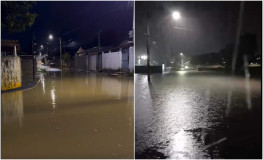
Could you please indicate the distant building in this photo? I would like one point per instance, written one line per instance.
(80, 59)
(112, 58)
(9, 47)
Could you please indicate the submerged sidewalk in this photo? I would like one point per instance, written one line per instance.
(26, 84)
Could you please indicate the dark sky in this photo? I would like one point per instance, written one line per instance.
(210, 26)
(79, 22)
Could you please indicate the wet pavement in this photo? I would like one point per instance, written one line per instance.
(184, 115)
(78, 115)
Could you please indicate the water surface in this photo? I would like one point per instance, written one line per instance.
(78, 115)
(184, 115)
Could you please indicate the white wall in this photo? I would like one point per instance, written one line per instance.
(131, 59)
(111, 60)
(92, 62)
(10, 72)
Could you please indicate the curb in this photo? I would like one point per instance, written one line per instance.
(19, 89)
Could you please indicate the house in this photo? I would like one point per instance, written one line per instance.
(110, 58)
(80, 59)
(9, 47)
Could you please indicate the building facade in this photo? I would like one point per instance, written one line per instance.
(117, 59)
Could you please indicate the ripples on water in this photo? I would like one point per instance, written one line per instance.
(185, 117)
(81, 115)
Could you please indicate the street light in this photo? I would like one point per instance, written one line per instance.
(176, 15)
(41, 46)
(50, 37)
(182, 60)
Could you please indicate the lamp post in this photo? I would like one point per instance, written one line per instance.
(50, 37)
(176, 16)
(147, 48)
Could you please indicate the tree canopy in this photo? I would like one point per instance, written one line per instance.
(16, 16)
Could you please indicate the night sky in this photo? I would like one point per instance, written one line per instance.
(77, 22)
(208, 26)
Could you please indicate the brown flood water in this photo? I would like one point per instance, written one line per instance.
(81, 115)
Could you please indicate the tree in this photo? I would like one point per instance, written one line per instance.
(16, 16)
(66, 59)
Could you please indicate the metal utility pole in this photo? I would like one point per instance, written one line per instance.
(60, 48)
(47, 51)
(148, 48)
(98, 56)
(33, 58)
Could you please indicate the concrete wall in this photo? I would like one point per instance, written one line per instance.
(153, 69)
(11, 72)
(131, 59)
(80, 63)
(111, 60)
(27, 68)
(92, 62)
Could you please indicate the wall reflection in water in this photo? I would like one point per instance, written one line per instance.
(12, 107)
(110, 86)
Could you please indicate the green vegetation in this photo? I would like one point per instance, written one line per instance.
(16, 16)
(66, 59)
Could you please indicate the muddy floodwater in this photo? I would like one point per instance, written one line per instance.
(78, 115)
(185, 115)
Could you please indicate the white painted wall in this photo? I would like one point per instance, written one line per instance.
(131, 59)
(93, 60)
(111, 60)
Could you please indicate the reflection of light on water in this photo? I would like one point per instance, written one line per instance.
(42, 79)
(180, 143)
(181, 72)
(53, 97)
(180, 110)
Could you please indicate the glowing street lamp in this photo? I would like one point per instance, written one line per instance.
(181, 54)
(50, 37)
(176, 15)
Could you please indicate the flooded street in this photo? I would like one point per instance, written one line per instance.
(184, 115)
(78, 115)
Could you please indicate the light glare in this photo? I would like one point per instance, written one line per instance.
(50, 37)
(176, 15)
(144, 57)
